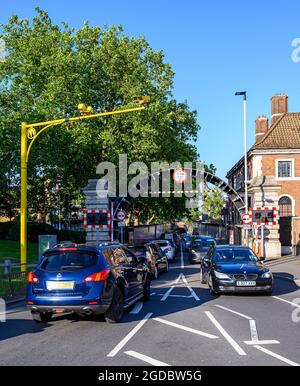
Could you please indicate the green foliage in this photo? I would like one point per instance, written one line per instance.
(11, 231)
(213, 203)
(48, 69)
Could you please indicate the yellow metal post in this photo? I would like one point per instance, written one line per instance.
(23, 217)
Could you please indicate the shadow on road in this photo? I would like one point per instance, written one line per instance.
(16, 327)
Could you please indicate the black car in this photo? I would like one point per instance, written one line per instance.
(157, 259)
(228, 268)
(199, 248)
(86, 279)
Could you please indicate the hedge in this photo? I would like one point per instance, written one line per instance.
(11, 231)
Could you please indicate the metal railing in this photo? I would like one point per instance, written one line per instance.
(12, 281)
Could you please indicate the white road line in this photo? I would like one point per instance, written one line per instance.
(229, 339)
(181, 252)
(260, 342)
(137, 308)
(182, 277)
(145, 358)
(253, 330)
(166, 294)
(120, 345)
(286, 301)
(210, 336)
(234, 312)
(153, 293)
(281, 358)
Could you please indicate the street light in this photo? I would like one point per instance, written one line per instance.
(31, 131)
(244, 94)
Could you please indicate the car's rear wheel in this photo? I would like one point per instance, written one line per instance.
(147, 288)
(116, 309)
(42, 317)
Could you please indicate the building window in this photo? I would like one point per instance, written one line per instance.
(285, 207)
(285, 169)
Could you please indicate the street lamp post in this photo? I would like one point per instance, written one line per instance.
(31, 131)
(244, 94)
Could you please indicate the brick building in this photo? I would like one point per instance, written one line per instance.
(276, 153)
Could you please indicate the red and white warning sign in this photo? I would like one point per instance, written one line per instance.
(246, 218)
(121, 215)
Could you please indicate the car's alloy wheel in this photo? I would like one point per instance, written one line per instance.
(147, 288)
(41, 317)
(115, 312)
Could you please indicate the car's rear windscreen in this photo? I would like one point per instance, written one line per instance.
(68, 261)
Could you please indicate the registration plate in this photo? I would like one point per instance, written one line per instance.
(60, 285)
(246, 283)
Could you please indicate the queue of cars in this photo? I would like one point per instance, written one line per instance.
(110, 277)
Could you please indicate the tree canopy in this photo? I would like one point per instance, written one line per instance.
(47, 70)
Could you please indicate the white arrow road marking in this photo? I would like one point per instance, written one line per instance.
(234, 312)
(182, 277)
(210, 336)
(286, 301)
(254, 336)
(137, 308)
(145, 358)
(120, 345)
(229, 339)
(281, 358)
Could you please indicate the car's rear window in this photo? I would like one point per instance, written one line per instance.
(204, 243)
(69, 261)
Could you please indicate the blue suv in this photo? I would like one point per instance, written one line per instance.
(87, 279)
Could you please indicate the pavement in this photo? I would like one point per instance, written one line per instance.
(182, 324)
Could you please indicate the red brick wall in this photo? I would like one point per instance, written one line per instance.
(291, 187)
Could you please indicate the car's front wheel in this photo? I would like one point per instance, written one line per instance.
(41, 317)
(116, 309)
(212, 290)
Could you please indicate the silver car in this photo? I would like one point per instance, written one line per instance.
(167, 247)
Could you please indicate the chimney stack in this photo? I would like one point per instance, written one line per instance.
(261, 127)
(279, 106)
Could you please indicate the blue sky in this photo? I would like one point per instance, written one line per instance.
(215, 48)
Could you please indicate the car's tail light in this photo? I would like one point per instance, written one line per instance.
(168, 249)
(148, 259)
(32, 278)
(97, 276)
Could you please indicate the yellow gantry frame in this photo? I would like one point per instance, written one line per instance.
(29, 128)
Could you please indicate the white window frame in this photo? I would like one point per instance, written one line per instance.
(292, 160)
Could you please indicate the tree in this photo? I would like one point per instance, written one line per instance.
(213, 203)
(48, 69)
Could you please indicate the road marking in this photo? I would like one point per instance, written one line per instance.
(178, 296)
(260, 342)
(229, 339)
(253, 330)
(286, 301)
(153, 293)
(181, 252)
(234, 312)
(182, 277)
(281, 358)
(145, 358)
(120, 345)
(210, 336)
(137, 308)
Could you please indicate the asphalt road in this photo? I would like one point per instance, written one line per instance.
(182, 324)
